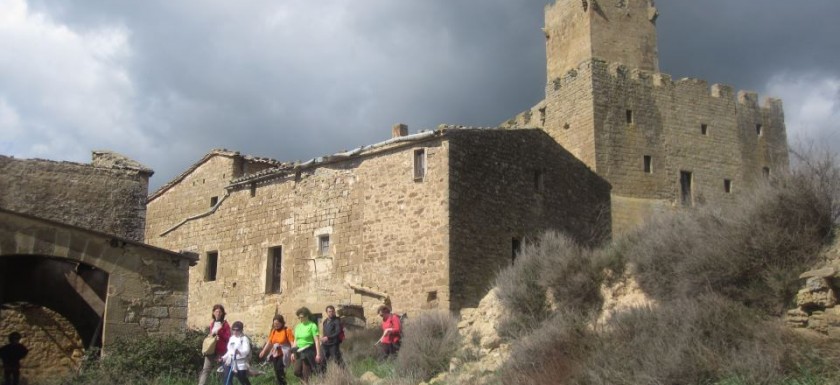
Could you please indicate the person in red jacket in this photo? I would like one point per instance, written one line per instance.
(391, 332)
(220, 329)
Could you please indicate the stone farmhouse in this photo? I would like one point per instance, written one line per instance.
(425, 221)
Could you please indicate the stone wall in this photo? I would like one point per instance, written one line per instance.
(387, 232)
(817, 302)
(107, 195)
(507, 186)
(55, 348)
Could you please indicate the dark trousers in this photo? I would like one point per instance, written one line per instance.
(389, 350)
(305, 364)
(333, 352)
(279, 370)
(11, 376)
(241, 375)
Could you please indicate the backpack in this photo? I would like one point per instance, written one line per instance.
(340, 332)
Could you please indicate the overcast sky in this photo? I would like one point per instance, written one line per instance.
(164, 82)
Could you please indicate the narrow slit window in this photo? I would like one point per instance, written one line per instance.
(275, 268)
(686, 198)
(253, 189)
(758, 129)
(515, 248)
(727, 186)
(539, 181)
(213, 201)
(704, 129)
(765, 171)
(212, 266)
(419, 164)
(648, 164)
(629, 116)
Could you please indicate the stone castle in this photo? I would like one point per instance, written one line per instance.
(424, 221)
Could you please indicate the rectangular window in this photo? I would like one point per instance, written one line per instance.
(685, 188)
(727, 186)
(758, 130)
(629, 116)
(253, 189)
(765, 171)
(704, 129)
(419, 164)
(213, 201)
(324, 245)
(212, 266)
(648, 164)
(275, 268)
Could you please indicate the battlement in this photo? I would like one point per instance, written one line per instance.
(627, 76)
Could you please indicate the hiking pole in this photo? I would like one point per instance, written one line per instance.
(229, 379)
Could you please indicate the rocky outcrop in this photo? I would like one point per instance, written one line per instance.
(817, 303)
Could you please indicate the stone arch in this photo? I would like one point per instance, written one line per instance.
(138, 289)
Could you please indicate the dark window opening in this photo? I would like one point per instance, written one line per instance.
(419, 164)
(629, 116)
(431, 296)
(539, 180)
(685, 188)
(758, 129)
(275, 268)
(648, 164)
(212, 266)
(704, 129)
(727, 186)
(516, 248)
(766, 171)
(323, 245)
(213, 201)
(253, 189)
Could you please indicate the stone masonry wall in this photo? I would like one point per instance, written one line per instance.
(108, 195)
(388, 233)
(514, 184)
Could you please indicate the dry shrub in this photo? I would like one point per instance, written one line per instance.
(555, 264)
(360, 344)
(752, 253)
(430, 341)
(335, 375)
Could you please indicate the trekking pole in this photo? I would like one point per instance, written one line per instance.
(229, 379)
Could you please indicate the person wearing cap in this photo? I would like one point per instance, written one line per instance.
(308, 354)
(238, 353)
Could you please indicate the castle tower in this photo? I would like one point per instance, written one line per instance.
(616, 31)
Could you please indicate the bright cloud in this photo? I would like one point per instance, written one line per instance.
(812, 107)
(62, 91)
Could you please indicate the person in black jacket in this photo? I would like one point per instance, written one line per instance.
(333, 334)
(11, 354)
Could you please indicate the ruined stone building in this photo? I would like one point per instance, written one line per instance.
(74, 272)
(426, 220)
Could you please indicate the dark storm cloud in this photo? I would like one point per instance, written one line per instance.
(297, 79)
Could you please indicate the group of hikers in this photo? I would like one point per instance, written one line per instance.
(302, 346)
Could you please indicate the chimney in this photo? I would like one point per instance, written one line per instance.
(399, 130)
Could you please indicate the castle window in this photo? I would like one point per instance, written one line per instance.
(648, 164)
(704, 129)
(275, 264)
(629, 116)
(253, 189)
(765, 171)
(685, 189)
(324, 245)
(539, 181)
(213, 201)
(419, 164)
(515, 248)
(212, 266)
(727, 186)
(758, 130)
